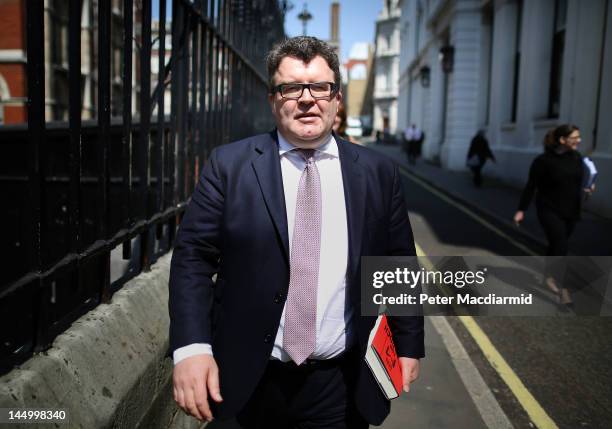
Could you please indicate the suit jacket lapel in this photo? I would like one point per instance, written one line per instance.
(266, 165)
(355, 190)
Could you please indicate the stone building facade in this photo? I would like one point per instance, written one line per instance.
(514, 68)
(386, 67)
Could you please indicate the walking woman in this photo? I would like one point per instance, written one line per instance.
(556, 178)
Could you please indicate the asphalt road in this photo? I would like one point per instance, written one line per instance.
(563, 361)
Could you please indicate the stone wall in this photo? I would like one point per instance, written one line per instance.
(109, 369)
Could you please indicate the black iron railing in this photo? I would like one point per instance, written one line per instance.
(90, 203)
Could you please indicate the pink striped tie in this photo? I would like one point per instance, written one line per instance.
(299, 335)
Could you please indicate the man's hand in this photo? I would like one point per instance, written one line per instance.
(410, 371)
(195, 379)
(519, 216)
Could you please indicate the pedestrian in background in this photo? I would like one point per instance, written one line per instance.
(413, 138)
(340, 125)
(420, 138)
(386, 136)
(405, 142)
(556, 176)
(477, 156)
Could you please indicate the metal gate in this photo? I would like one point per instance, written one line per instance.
(93, 197)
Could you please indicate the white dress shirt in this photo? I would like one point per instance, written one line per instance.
(332, 313)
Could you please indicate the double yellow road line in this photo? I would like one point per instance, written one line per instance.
(532, 407)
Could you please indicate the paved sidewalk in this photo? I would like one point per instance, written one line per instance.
(499, 201)
(439, 398)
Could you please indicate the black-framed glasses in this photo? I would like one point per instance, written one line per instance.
(318, 90)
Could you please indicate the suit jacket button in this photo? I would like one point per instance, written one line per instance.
(268, 338)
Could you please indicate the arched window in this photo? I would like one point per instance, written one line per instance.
(5, 95)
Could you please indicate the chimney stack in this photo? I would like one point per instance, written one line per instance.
(335, 23)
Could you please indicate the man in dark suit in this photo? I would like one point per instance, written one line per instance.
(282, 220)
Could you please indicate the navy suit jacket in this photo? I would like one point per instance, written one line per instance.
(235, 226)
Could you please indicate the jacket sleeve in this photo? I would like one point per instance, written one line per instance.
(195, 261)
(530, 187)
(408, 331)
(472, 149)
(400, 238)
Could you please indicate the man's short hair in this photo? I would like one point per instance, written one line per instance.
(304, 48)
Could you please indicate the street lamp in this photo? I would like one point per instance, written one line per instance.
(305, 16)
(447, 58)
(425, 75)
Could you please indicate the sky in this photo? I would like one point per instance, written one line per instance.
(357, 20)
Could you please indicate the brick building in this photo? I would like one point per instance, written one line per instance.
(358, 70)
(12, 62)
(13, 59)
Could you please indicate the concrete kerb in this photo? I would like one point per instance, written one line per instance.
(110, 367)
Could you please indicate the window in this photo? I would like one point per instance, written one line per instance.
(418, 30)
(599, 114)
(57, 32)
(556, 65)
(488, 18)
(3, 96)
(517, 59)
(387, 77)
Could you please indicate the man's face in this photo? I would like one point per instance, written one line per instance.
(306, 121)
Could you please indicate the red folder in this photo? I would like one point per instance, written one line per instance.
(382, 359)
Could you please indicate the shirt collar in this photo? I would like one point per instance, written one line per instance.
(330, 147)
